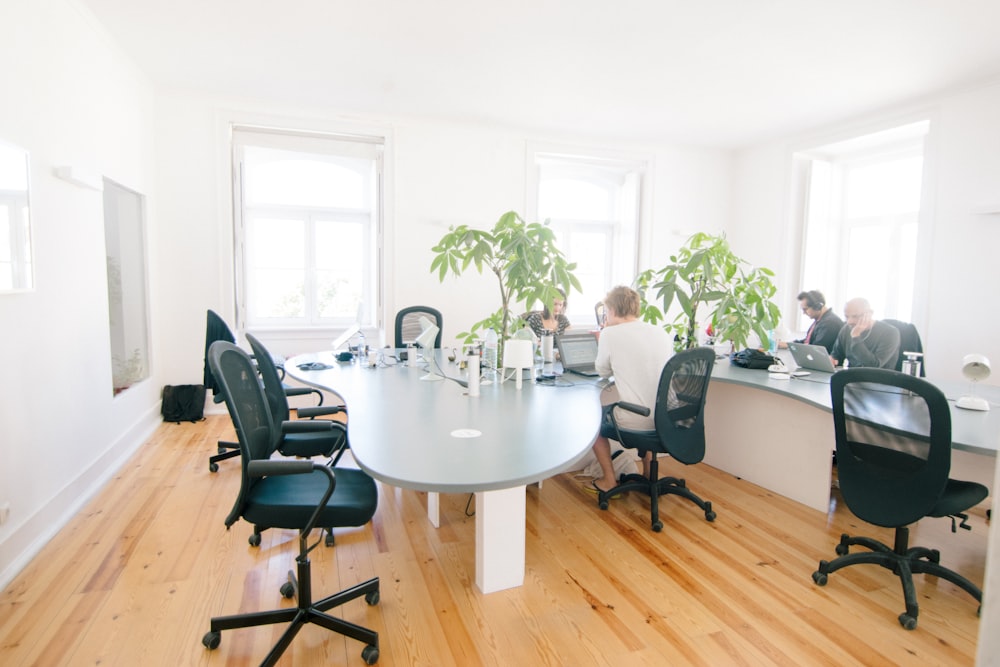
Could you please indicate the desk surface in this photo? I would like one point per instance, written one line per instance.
(412, 433)
(977, 432)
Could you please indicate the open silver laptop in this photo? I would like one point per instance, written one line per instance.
(578, 352)
(812, 357)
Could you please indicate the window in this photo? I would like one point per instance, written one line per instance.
(308, 219)
(862, 220)
(593, 204)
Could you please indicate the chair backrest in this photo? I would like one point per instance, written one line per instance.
(909, 341)
(680, 404)
(216, 329)
(277, 400)
(408, 324)
(893, 434)
(244, 396)
(599, 314)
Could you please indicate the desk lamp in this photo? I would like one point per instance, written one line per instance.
(975, 367)
(425, 341)
(519, 355)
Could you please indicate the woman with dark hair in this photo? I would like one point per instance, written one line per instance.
(551, 320)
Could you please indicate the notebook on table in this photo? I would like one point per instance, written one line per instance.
(578, 352)
(813, 357)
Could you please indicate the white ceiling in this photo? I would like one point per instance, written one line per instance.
(723, 73)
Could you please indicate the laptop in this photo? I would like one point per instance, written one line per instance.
(813, 357)
(578, 352)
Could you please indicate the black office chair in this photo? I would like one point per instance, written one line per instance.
(305, 437)
(909, 341)
(679, 431)
(289, 494)
(893, 434)
(408, 324)
(217, 329)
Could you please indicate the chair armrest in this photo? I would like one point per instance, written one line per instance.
(319, 411)
(264, 468)
(632, 407)
(308, 426)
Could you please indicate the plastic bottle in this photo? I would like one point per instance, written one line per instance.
(772, 342)
(490, 355)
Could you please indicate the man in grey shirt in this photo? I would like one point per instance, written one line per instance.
(863, 341)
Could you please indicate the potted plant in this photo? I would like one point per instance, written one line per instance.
(522, 256)
(710, 283)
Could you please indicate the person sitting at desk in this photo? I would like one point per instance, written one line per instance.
(634, 352)
(549, 320)
(825, 326)
(864, 341)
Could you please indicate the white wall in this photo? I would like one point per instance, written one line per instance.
(956, 315)
(69, 99)
(439, 175)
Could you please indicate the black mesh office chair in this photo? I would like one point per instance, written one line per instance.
(909, 341)
(679, 431)
(893, 434)
(217, 329)
(305, 437)
(289, 494)
(408, 324)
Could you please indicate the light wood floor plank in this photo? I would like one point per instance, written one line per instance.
(136, 576)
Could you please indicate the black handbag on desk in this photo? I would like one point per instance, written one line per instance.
(751, 358)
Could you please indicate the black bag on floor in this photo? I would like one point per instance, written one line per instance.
(183, 403)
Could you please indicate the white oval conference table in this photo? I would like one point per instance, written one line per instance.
(430, 435)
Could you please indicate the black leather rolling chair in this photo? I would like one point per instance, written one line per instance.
(680, 431)
(289, 494)
(893, 435)
(305, 437)
(217, 329)
(408, 324)
(909, 341)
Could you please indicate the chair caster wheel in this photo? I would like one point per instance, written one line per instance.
(372, 598)
(328, 541)
(254, 540)
(657, 526)
(603, 504)
(370, 654)
(907, 621)
(710, 515)
(819, 578)
(287, 590)
(842, 549)
(211, 640)
(213, 467)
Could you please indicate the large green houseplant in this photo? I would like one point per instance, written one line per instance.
(711, 285)
(523, 257)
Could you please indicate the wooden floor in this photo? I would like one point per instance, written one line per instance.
(135, 578)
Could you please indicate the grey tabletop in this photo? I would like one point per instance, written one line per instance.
(432, 436)
(977, 432)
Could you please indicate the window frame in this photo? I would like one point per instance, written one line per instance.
(306, 141)
(599, 167)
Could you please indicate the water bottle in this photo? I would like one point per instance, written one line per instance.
(490, 355)
(362, 346)
(772, 343)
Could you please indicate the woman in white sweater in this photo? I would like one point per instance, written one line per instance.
(633, 352)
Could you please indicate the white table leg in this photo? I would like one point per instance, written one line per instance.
(434, 508)
(500, 529)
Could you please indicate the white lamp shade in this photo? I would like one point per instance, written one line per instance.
(518, 354)
(975, 367)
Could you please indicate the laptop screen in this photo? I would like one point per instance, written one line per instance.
(578, 351)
